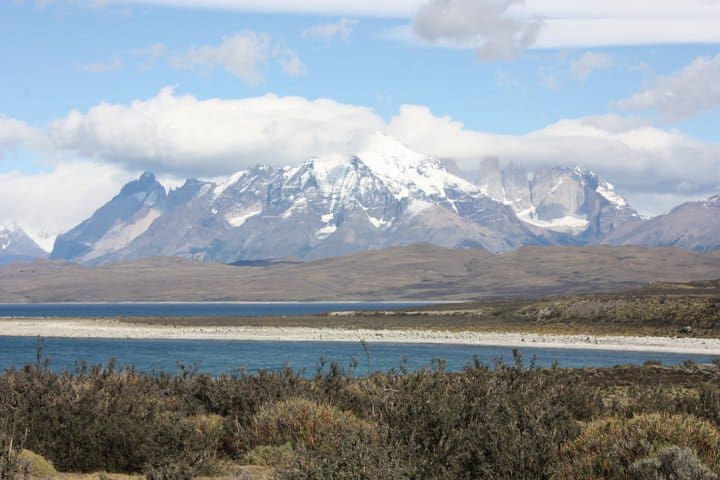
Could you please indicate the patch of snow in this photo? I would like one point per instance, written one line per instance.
(417, 206)
(234, 178)
(6, 241)
(573, 224)
(403, 169)
(325, 232)
(378, 223)
(713, 201)
(297, 205)
(214, 211)
(237, 218)
(122, 234)
(559, 184)
(607, 190)
(327, 218)
(205, 189)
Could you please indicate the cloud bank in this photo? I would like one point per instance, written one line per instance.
(693, 90)
(180, 136)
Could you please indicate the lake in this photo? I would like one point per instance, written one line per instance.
(219, 356)
(203, 309)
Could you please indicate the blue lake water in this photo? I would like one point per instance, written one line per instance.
(215, 356)
(208, 309)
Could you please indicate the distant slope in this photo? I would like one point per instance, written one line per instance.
(693, 226)
(415, 272)
(16, 246)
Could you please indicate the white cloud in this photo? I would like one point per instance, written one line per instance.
(637, 157)
(100, 67)
(394, 8)
(693, 90)
(188, 136)
(150, 53)
(182, 136)
(496, 31)
(242, 55)
(46, 204)
(290, 62)
(584, 23)
(14, 134)
(327, 32)
(156, 50)
(548, 80)
(590, 62)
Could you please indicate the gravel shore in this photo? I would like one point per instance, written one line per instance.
(117, 329)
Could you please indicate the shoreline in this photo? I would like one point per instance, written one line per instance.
(115, 329)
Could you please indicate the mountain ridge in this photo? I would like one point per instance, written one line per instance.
(384, 195)
(16, 245)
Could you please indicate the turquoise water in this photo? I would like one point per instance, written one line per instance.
(217, 356)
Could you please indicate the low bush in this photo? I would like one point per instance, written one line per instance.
(608, 448)
(493, 422)
(306, 423)
(671, 463)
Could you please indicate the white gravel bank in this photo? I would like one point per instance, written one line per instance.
(116, 329)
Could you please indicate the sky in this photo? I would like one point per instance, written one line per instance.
(94, 92)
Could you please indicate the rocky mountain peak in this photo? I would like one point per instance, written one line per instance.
(16, 245)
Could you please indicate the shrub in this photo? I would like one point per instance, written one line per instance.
(270, 456)
(38, 466)
(671, 463)
(306, 423)
(608, 448)
(12, 465)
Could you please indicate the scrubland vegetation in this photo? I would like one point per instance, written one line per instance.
(657, 309)
(495, 422)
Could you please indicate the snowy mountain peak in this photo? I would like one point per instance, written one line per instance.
(5, 239)
(712, 202)
(16, 245)
(8, 228)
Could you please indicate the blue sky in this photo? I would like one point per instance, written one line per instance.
(630, 91)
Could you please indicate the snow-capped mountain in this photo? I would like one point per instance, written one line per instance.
(692, 226)
(573, 201)
(16, 245)
(382, 196)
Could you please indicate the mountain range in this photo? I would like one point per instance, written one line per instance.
(385, 195)
(16, 245)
